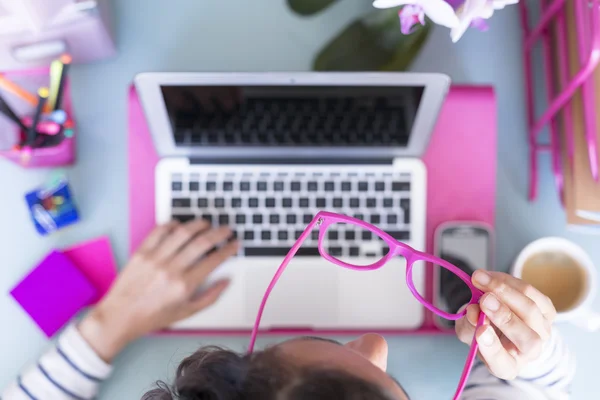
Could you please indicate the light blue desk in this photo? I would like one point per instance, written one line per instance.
(217, 35)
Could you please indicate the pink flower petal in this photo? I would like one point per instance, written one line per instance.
(409, 16)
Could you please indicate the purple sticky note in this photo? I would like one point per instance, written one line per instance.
(96, 261)
(54, 292)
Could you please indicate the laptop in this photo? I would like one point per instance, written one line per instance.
(263, 152)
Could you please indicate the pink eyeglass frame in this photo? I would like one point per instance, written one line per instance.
(323, 220)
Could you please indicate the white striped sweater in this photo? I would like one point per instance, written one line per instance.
(71, 370)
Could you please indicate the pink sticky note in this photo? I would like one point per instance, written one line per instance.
(96, 261)
(54, 292)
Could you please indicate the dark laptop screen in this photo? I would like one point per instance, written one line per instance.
(292, 115)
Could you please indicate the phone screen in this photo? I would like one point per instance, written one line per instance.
(468, 248)
(470, 245)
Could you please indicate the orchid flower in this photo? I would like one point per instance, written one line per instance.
(414, 11)
(472, 11)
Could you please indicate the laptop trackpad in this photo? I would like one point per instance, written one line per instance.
(305, 296)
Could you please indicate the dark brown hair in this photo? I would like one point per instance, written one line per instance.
(213, 373)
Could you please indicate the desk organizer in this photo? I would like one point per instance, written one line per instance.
(552, 19)
(62, 150)
(475, 176)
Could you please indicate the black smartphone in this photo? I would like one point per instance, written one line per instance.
(467, 245)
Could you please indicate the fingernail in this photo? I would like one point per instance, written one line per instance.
(482, 277)
(486, 338)
(491, 303)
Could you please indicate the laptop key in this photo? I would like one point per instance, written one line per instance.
(176, 186)
(346, 186)
(282, 235)
(240, 219)
(286, 202)
(211, 186)
(332, 235)
(329, 186)
(313, 186)
(280, 251)
(194, 186)
(295, 186)
(335, 251)
(400, 186)
(338, 202)
(405, 205)
(307, 218)
(265, 235)
(371, 202)
(375, 218)
(314, 235)
(261, 186)
(181, 203)
(253, 202)
(184, 217)
(363, 186)
(207, 217)
(244, 186)
(379, 186)
(274, 219)
(321, 203)
(297, 234)
(227, 186)
(248, 235)
(359, 216)
(392, 219)
(270, 202)
(366, 235)
(257, 219)
(354, 202)
(219, 202)
(290, 219)
(388, 203)
(350, 235)
(223, 219)
(202, 202)
(278, 186)
(399, 235)
(236, 202)
(354, 251)
(303, 202)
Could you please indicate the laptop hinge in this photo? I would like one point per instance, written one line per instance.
(292, 161)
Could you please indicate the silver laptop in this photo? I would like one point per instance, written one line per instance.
(263, 152)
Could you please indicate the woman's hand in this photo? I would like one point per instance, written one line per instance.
(159, 285)
(521, 322)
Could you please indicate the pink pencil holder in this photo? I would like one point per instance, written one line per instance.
(61, 152)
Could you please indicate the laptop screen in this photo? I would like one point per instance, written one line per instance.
(311, 116)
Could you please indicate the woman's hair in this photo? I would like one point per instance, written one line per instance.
(213, 373)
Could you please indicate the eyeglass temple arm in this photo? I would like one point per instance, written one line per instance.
(470, 359)
(276, 277)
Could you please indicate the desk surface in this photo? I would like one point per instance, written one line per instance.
(154, 37)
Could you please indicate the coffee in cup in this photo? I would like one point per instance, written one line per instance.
(566, 274)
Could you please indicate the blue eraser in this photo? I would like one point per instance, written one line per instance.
(52, 207)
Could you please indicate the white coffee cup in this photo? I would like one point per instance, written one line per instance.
(580, 312)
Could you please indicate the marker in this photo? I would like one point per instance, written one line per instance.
(17, 90)
(6, 110)
(32, 132)
(66, 61)
(55, 73)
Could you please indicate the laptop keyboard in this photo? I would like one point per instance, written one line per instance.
(300, 121)
(269, 210)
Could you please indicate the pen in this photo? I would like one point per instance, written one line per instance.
(17, 90)
(66, 61)
(6, 110)
(55, 74)
(32, 132)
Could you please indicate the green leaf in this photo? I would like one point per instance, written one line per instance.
(309, 7)
(373, 43)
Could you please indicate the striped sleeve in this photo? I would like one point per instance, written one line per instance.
(70, 370)
(547, 378)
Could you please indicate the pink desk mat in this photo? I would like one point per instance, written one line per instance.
(461, 174)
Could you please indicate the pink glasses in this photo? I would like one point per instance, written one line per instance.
(395, 248)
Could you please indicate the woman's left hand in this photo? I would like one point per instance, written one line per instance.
(521, 320)
(158, 287)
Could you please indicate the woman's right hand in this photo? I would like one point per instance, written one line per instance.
(518, 322)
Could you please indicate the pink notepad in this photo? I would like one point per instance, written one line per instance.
(54, 292)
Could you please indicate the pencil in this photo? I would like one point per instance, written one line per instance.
(55, 74)
(17, 90)
(32, 132)
(66, 61)
(6, 110)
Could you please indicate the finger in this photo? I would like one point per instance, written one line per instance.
(179, 237)
(199, 246)
(500, 282)
(157, 236)
(198, 273)
(526, 340)
(208, 298)
(465, 327)
(493, 354)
